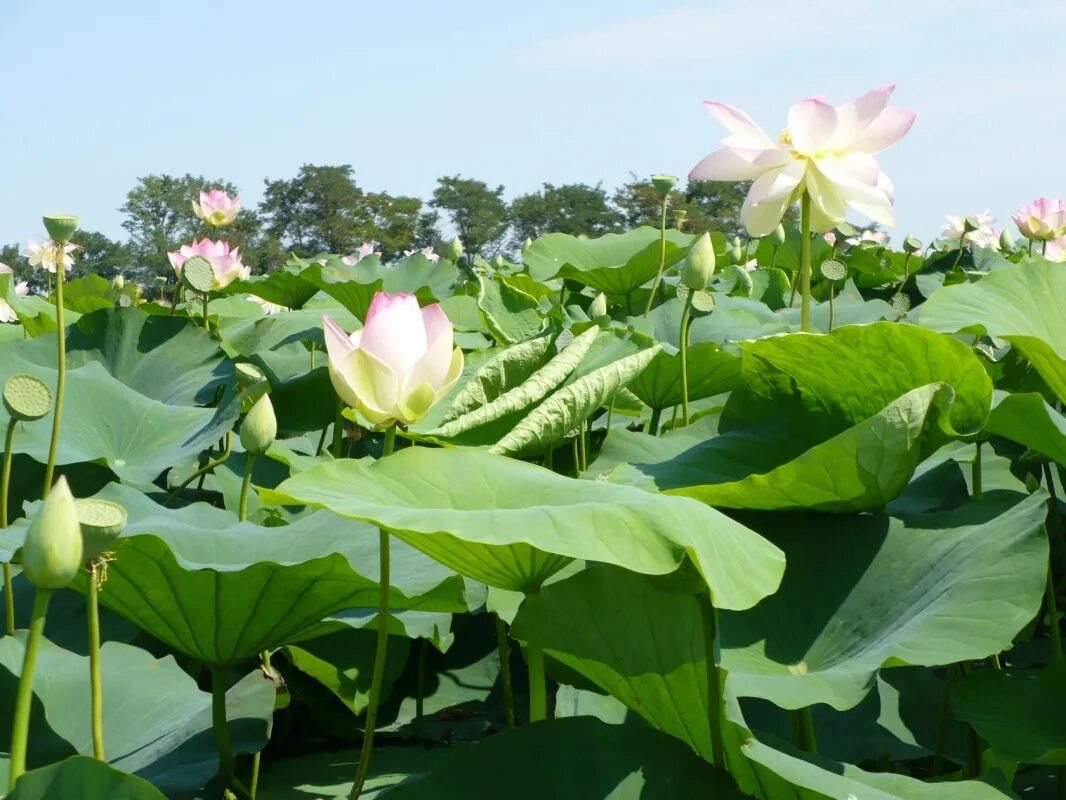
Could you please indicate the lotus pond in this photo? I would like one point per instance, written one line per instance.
(651, 515)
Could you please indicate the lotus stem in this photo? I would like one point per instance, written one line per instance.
(549, 457)
(210, 465)
(962, 247)
(805, 262)
(803, 730)
(1043, 247)
(653, 425)
(942, 722)
(95, 682)
(1054, 517)
(5, 485)
(686, 319)
(338, 429)
(506, 683)
(249, 466)
(20, 726)
(831, 309)
(61, 380)
(420, 690)
(977, 491)
(662, 256)
(207, 297)
(538, 684)
(222, 741)
(715, 683)
(378, 674)
(1053, 617)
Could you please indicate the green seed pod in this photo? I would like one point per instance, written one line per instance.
(454, 251)
(101, 523)
(778, 236)
(970, 224)
(912, 244)
(1006, 240)
(598, 307)
(26, 397)
(663, 183)
(198, 274)
(52, 554)
(60, 227)
(260, 427)
(699, 264)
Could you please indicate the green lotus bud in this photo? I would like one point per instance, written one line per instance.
(598, 307)
(52, 554)
(911, 244)
(778, 236)
(699, 264)
(118, 283)
(970, 224)
(663, 183)
(499, 261)
(260, 427)
(454, 251)
(527, 243)
(60, 227)
(737, 252)
(1006, 240)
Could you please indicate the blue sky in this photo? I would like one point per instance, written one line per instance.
(96, 94)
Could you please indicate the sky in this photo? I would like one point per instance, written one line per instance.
(95, 95)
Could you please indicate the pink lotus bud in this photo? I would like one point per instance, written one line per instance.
(399, 365)
(217, 208)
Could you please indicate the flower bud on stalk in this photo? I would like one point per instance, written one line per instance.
(777, 237)
(598, 307)
(52, 554)
(699, 264)
(1006, 240)
(454, 250)
(260, 427)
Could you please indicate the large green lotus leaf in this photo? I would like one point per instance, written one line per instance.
(223, 591)
(549, 254)
(849, 308)
(862, 592)
(249, 336)
(1020, 713)
(579, 758)
(711, 371)
(88, 293)
(511, 314)
(446, 499)
(85, 778)
(329, 774)
(503, 371)
(622, 279)
(734, 319)
(303, 397)
(170, 359)
(105, 420)
(157, 728)
(284, 287)
(1021, 304)
(1028, 420)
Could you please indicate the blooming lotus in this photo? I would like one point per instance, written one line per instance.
(268, 307)
(984, 235)
(399, 365)
(48, 255)
(365, 249)
(217, 208)
(1055, 250)
(826, 152)
(7, 313)
(1042, 220)
(874, 237)
(426, 251)
(225, 263)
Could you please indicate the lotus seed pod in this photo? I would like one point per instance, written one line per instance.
(198, 274)
(101, 523)
(260, 427)
(52, 554)
(26, 397)
(778, 236)
(598, 307)
(1006, 240)
(833, 270)
(699, 264)
(60, 227)
(454, 251)
(911, 244)
(663, 183)
(970, 224)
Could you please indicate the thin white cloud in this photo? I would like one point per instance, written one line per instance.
(728, 29)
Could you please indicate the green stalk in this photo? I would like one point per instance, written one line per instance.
(538, 684)
(61, 381)
(221, 731)
(958, 256)
(20, 726)
(420, 691)
(1054, 517)
(1053, 614)
(505, 672)
(207, 296)
(5, 484)
(1043, 247)
(831, 309)
(805, 262)
(95, 682)
(715, 683)
(942, 723)
(803, 730)
(977, 491)
(653, 426)
(338, 429)
(210, 465)
(662, 258)
(249, 465)
(686, 318)
(378, 674)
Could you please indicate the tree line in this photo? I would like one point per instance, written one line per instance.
(324, 209)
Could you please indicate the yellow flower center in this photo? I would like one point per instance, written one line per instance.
(785, 137)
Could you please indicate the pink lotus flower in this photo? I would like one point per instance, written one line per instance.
(48, 254)
(399, 365)
(825, 151)
(1042, 220)
(985, 235)
(226, 263)
(1055, 250)
(874, 237)
(830, 238)
(426, 251)
(217, 208)
(7, 313)
(365, 249)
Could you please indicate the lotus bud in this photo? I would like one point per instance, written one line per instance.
(663, 183)
(454, 251)
(260, 427)
(912, 244)
(52, 554)
(737, 253)
(527, 243)
(699, 264)
(118, 283)
(777, 237)
(60, 227)
(1006, 240)
(598, 307)
(499, 262)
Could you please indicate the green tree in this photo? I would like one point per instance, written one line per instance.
(478, 213)
(701, 206)
(99, 255)
(573, 208)
(401, 223)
